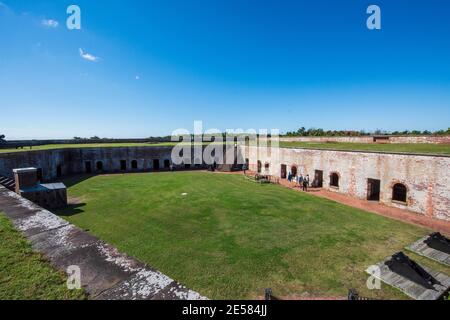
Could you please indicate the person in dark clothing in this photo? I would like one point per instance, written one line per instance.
(306, 183)
(300, 180)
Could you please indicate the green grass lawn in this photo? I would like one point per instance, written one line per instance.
(87, 145)
(426, 148)
(392, 147)
(25, 275)
(231, 238)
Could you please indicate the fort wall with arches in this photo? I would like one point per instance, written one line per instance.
(419, 183)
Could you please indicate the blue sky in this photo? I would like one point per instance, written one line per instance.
(160, 65)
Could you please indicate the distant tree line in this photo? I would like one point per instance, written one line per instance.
(91, 138)
(318, 132)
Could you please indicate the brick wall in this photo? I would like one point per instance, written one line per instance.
(370, 139)
(427, 178)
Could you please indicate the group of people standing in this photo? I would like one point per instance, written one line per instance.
(302, 182)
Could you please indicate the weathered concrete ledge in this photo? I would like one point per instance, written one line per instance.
(106, 274)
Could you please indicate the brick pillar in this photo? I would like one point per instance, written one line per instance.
(25, 178)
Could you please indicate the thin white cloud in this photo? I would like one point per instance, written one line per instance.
(4, 7)
(88, 56)
(50, 23)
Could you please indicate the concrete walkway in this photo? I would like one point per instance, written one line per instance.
(106, 274)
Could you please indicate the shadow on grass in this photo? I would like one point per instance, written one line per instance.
(71, 210)
(70, 181)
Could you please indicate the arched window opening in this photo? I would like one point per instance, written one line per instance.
(259, 166)
(294, 171)
(399, 192)
(334, 180)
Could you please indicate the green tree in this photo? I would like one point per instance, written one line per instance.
(301, 131)
(2, 138)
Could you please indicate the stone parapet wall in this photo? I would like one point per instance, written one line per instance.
(372, 139)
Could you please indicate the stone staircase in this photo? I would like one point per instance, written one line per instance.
(7, 183)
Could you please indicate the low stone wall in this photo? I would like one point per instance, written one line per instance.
(328, 139)
(427, 178)
(372, 139)
(421, 139)
(46, 160)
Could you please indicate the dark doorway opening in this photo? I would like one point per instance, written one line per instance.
(373, 189)
(334, 180)
(399, 192)
(59, 171)
(99, 166)
(123, 165)
(259, 166)
(187, 166)
(318, 179)
(156, 164)
(167, 164)
(40, 175)
(247, 164)
(134, 165)
(294, 171)
(283, 171)
(381, 139)
(87, 166)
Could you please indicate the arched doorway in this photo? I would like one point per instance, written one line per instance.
(399, 192)
(294, 171)
(334, 179)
